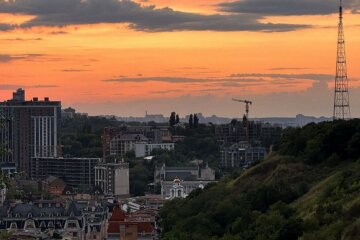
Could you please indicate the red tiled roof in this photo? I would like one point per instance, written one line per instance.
(117, 214)
(114, 227)
(145, 227)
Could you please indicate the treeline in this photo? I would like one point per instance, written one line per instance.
(328, 141)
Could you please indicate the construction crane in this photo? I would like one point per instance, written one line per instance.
(246, 121)
(247, 108)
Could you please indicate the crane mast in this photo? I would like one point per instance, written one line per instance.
(247, 110)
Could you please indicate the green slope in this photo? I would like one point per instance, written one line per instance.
(308, 189)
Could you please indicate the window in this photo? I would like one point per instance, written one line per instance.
(13, 225)
(29, 225)
(50, 225)
(72, 225)
(42, 225)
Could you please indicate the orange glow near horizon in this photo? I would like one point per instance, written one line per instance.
(71, 63)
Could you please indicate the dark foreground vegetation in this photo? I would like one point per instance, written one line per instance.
(308, 189)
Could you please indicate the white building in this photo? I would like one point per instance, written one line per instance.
(180, 189)
(145, 149)
(113, 178)
(177, 190)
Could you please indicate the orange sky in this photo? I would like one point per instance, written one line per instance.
(71, 63)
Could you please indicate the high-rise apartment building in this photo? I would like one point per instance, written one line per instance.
(29, 129)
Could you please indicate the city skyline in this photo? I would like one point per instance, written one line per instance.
(182, 56)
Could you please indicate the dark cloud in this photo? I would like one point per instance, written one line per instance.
(183, 80)
(143, 18)
(287, 7)
(290, 68)
(155, 79)
(12, 87)
(41, 86)
(58, 32)
(75, 70)
(6, 27)
(238, 78)
(234, 81)
(167, 91)
(309, 76)
(21, 39)
(210, 90)
(13, 57)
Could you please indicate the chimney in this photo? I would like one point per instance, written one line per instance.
(46, 99)
(35, 99)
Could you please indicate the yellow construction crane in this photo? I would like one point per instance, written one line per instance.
(247, 109)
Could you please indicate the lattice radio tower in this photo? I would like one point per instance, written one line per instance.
(341, 99)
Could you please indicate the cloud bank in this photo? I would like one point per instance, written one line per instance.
(287, 7)
(58, 13)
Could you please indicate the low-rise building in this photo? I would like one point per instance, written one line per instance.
(113, 178)
(68, 113)
(130, 227)
(55, 220)
(53, 185)
(192, 173)
(145, 149)
(179, 188)
(8, 169)
(121, 144)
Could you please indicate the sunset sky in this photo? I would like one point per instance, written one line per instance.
(126, 57)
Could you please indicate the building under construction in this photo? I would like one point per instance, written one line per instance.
(76, 172)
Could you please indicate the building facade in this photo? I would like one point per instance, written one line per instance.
(241, 155)
(192, 173)
(30, 129)
(145, 149)
(113, 178)
(238, 131)
(121, 144)
(55, 220)
(178, 188)
(117, 141)
(76, 172)
(131, 227)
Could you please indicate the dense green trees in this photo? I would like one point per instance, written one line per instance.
(312, 193)
(81, 136)
(319, 142)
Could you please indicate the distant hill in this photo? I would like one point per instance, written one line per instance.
(308, 189)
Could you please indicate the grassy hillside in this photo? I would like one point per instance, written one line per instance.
(308, 189)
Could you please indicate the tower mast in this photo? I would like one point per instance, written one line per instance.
(341, 98)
